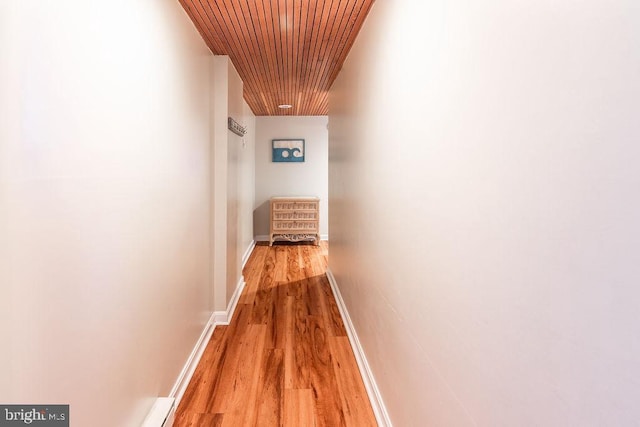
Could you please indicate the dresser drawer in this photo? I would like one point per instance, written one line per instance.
(295, 206)
(295, 226)
(295, 215)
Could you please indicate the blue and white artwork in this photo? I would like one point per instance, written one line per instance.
(288, 150)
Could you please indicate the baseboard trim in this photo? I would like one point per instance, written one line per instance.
(247, 253)
(379, 410)
(162, 413)
(220, 318)
(233, 302)
(216, 318)
(189, 368)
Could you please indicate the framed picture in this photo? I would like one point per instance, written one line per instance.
(287, 150)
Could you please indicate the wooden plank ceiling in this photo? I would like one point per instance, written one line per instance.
(286, 51)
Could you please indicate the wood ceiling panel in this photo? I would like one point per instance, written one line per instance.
(286, 51)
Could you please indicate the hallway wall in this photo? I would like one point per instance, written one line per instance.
(232, 181)
(247, 177)
(104, 207)
(291, 179)
(483, 182)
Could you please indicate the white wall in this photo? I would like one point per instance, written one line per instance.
(232, 183)
(291, 179)
(234, 147)
(104, 181)
(219, 162)
(484, 209)
(247, 177)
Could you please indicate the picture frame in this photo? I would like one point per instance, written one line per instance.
(287, 150)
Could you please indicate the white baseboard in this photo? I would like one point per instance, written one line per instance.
(379, 410)
(247, 253)
(224, 317)
(162, 413)
(189, 368)
(220, 318)
(233, 302)
(217, 318)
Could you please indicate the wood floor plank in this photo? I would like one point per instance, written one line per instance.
(299, 408)
(356, 406)
(220, 356)
(240, 380)
(268, 272)
(322, 376)
(289, 357)
(318, 261)
(313, 296)
(307, 264)
(328, 306)
(277, 321)
(285, 359)
(262, 307)
(224, 395)
(263, 296)
(295, 271)
(194, 419)
(252, 272)
(299, 347)
(280, 273)
(270, 408)
(204, 381)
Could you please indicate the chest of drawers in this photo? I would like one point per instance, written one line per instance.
(294, 219)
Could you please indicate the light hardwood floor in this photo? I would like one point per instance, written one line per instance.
(285, 359)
